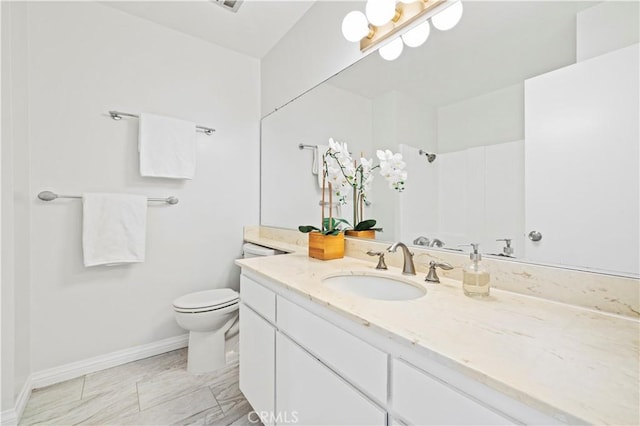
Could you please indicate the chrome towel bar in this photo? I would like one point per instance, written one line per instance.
(117, 115)
(50, 196)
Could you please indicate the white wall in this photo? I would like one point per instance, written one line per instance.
(385, 136)
(417, 122)
(399, 124)
(7, 320)
(607, 26)
(312, 51)
(474, 190)
(16, 336)
(418, 212)
(472, 195)
(84, 59)
(493, 117)
(324, 112)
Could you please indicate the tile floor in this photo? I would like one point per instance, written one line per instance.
(152, 391)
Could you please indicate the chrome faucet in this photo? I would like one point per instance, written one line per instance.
(408, 268)
(436, 243)
(421, 241)
(424, 241)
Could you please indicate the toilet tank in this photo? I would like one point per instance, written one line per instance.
(253, 250)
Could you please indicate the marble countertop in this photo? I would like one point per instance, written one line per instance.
(558, 358)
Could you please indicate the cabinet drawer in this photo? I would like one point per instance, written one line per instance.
(355, 360)
(312, 394)
(259, 298)
(420, 398)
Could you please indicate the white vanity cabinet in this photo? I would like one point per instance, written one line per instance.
(285, 383)
(257, 346)
(422, 399)
(308, 391)
(352, 358)
(303, 362)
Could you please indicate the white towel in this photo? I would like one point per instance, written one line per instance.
(318, 162)
(167, 147)
(113, 228)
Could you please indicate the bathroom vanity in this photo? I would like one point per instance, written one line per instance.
(316, 355)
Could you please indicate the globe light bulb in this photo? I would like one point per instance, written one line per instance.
(355, 26)
(448, 18)
(392, 50)
(417, 36)
(379, 12)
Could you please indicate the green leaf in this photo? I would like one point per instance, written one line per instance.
(331, 232)
(365, 225)
(334, 223)
(307, 228)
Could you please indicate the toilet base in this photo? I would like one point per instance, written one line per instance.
(206, 352)
(232, 349)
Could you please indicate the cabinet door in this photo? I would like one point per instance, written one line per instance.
(309, 393)
(422, 399)
(358, 362)
(257, 361)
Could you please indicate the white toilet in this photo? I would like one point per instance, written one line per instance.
(211, 317)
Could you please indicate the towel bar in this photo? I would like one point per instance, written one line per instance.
(117, 115)
(50, 196)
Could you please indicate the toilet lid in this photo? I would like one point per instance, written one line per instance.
(206, 299)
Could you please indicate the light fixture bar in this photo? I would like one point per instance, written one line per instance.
(409, 13)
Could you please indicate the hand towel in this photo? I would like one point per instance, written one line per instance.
(167, 147)
(113, 228)
(318, 162)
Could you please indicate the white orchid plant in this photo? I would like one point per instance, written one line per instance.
(345, 176)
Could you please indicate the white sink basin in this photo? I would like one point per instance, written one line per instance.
(375, 287)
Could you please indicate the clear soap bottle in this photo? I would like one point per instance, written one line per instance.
(475, 278)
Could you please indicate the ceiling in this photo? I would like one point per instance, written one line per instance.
(253, 30)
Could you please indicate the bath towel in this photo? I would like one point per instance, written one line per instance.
(167, 147)
(113, 228)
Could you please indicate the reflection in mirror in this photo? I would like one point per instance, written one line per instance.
(519, 128)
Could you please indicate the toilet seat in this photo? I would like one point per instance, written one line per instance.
(205, 301)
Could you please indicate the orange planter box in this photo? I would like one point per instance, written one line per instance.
(326, 247)
(369, 234)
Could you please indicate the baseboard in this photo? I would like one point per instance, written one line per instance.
(8, 417)
(23, 397)
(80, 368)
(76, 369)
(12, 417)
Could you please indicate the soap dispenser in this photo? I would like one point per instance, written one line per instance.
(475, 279)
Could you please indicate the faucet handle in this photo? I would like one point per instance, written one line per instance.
(422, 241)
(381, 263)
(432, 276)
(442, 265)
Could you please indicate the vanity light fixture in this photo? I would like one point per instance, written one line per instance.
(391, 25)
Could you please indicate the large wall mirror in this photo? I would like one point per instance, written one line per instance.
(533, 120)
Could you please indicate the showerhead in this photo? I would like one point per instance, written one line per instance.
(430, 157)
